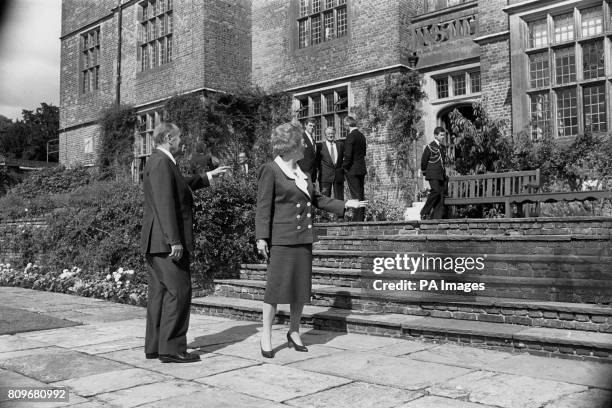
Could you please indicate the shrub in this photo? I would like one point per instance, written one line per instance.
(224, 229)
(53, 180)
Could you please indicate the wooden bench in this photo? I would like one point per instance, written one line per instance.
(515, 187)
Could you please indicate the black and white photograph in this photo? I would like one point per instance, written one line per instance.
(306, 203)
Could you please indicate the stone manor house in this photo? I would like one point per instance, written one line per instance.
(543, 65)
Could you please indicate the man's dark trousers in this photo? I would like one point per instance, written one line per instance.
(326, 190)
(168, 304)
(435, 199)
(356, 188)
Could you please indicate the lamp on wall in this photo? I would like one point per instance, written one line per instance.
(413, 60)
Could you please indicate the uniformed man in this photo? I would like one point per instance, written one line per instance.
(432, 167)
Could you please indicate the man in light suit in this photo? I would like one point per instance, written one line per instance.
(354, 164)
(308, 163)
(329, 166)
(167, 241)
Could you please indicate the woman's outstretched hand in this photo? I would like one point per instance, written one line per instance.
(262, 248)
(355, 204)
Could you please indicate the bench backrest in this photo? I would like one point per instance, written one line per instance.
(494, 184)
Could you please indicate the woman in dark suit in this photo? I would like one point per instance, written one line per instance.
(283, 229)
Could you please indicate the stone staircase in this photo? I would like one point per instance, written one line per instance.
(547, 284)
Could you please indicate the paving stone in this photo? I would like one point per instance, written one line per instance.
(404, 348)
(439, 402)
(110, 381)
(354, 341)
(592, 398)
(14, 343)
(460, 356)
(121, 344)
(136, 357)
(572, 337)
(592, 374)
(381, 369)
(57, 366)
(75, 336)
(273, 382)
(355, 395)
(212, 365)
(501, 389)
(148, 393)
(211, 397)
(250, 348)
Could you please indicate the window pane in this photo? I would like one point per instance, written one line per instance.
(303, 112)
(317, 128)
(329, 25)
(475, 81)
(316, 105)
(459, 84)
(145, 12)
(303, 33)
(329, 4)
(540, 115)
(303, 8)
(442, 87)
(329, 102)
(169, 17)
(316, 29)
(539, 69)
(316, 6)
(565, 65)
(564, 27)
(567, 112)
(593, 59)
(169, 48)
(538, 33)
(594, 100)
(342, 21)
(592, 21)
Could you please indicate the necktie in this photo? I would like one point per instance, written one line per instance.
(333, 152)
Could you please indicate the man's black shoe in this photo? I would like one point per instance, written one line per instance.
(184, 357)
(151, 356)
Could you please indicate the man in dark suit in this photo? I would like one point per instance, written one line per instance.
(308, 163)
(329, 166)
(432, 166)
(354, 164)
(167, 241)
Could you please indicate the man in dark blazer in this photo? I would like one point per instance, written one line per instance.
(354, 164)
(167, 241)
(308, 163)
(329, 165)
(432, 166)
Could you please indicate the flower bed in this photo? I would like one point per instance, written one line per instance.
(117, 287)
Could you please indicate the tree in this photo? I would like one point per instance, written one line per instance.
(27, 138)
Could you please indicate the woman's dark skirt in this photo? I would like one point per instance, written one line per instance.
(288, 278)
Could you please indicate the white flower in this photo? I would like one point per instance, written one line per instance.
(130, 272)
(120, 270)
(109, 277)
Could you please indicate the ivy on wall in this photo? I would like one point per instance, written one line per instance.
(396, 106)
(116, 148)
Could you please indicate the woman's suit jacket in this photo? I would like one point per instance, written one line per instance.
(284, 212)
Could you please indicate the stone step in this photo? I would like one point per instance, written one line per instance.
(575, 316)
(475, 245)
(489, 226)
(357, 278)
(541, 341)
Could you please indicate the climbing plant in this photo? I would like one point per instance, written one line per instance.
(398, 108)
(115, 151)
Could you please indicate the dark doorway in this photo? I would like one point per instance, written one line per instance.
(444, 120)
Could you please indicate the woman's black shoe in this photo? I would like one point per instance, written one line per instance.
(294, 345)
(266, 354)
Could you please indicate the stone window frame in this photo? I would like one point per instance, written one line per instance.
(595, 119)
(450, 78)
(143, 139)
(155, 33)
(327, 106)
(435, 5)
(89, 78)
(583, 36)
(321, 21)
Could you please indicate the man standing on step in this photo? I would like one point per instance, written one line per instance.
(308, 162)
(432, 167)
(167, 241)
(354, 164)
